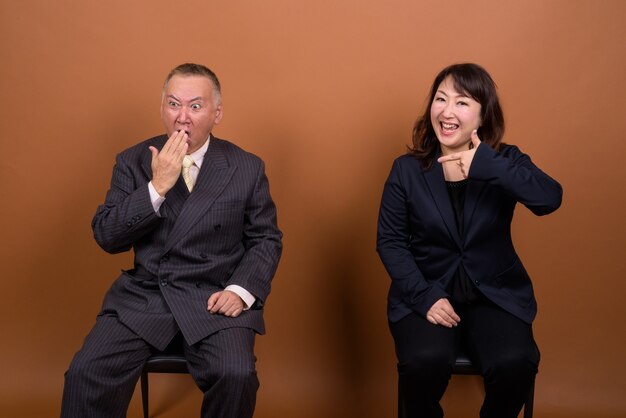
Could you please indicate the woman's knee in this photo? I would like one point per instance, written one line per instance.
(512, 366)
(426, 363)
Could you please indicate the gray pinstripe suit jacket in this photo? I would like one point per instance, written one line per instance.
(223, 233)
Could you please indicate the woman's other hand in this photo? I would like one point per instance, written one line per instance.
(442, 313)
(463, 159)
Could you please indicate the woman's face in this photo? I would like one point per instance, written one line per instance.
(454, 116)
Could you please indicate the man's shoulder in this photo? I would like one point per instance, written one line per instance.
(233, 151)
(141, 148)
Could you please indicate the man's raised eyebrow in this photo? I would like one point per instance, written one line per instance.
(171, 96)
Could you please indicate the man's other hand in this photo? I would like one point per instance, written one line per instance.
(226, 303)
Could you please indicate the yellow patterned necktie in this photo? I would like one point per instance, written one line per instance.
(187, 163)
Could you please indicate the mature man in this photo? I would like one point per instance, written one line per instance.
(198, 213)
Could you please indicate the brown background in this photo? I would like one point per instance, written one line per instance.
(326, 92)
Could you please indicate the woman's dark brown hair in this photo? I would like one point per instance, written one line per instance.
(473, 81)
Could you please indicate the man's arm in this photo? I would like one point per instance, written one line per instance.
(128, 213)
(263, 247)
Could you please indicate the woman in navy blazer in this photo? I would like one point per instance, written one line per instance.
(444, 236)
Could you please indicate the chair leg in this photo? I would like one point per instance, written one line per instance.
(528, 407)
(144, 394)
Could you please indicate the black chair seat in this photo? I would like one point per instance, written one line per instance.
(166, 363)
(463, 365)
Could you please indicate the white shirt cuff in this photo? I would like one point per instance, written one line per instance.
(156, 199)
(246, 296)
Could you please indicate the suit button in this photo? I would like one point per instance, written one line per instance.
(477, 282)
(163, 282)
(129, 224)
(165, 257)
(203, 255)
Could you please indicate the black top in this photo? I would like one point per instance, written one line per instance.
(461, 289)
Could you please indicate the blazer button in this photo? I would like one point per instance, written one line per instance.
(163, 282)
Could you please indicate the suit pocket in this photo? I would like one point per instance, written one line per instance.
(516, 283)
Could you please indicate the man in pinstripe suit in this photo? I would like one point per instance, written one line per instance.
(205, 254)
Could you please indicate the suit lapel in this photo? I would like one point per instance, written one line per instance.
(214, 175)
(437, 186)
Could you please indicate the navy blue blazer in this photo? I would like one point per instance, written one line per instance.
(224, 232)
(419, 244)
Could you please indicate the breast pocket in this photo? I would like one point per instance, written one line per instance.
(233, 204)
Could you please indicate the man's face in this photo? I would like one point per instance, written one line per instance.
(189, 104)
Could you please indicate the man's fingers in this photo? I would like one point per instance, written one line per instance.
(154, 152)
(212, 301)
(225, 303)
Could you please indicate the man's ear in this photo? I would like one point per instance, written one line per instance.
(218, 114)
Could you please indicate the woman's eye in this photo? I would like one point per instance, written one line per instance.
(439, 99)
(463, 103)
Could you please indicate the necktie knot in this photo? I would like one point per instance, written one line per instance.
(187, 163)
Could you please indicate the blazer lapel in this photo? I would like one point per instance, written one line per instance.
(437, 186)
(213, 177)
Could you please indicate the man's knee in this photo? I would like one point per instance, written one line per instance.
(80, 368)
(235, 374)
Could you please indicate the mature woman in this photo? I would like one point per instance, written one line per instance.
(444, 237)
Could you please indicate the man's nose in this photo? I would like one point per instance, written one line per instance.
(183, 115)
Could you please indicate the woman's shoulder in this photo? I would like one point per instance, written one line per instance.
(406, 159)
(509, 149)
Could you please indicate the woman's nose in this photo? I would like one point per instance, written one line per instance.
(448, 110)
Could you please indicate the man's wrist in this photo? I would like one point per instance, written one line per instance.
(247, 297)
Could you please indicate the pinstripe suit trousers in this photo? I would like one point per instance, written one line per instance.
(103, 374)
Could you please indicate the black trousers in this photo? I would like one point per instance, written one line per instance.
(102, 376)
(501, 344)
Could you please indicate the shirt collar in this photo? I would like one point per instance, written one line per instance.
(198, 155)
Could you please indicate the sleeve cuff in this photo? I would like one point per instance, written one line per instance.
(156, 199)
(246, 296)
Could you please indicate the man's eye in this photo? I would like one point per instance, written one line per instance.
(195, 106)
(172, 104)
